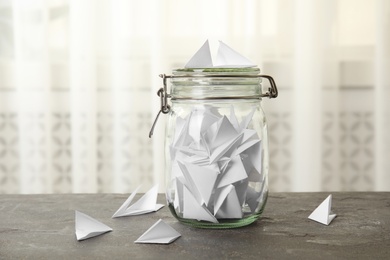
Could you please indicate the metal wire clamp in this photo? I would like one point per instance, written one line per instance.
(164, 95)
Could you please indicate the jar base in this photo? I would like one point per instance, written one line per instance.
(223, 223)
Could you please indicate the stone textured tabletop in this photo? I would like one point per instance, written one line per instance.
(42, 227)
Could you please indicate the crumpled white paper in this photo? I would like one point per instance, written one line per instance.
(214, 158)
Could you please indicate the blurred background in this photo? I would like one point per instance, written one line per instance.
(78, 82)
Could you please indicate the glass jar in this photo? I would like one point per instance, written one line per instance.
(216, 146)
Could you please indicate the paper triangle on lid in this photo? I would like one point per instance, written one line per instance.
(87, 227)
(227, 57)
(159, 233)
(202, 58)
(322, 213)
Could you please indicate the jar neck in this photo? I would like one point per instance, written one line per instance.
(216, 83)
(212, 84)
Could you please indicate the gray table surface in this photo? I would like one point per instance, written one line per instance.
(42, 227)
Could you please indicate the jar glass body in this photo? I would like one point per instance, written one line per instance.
(216, 149)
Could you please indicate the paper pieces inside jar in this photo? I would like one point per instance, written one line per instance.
(322, 213)
(226, 58)
(159, 233)
(216, 165)
(146, 204)
(87, 227)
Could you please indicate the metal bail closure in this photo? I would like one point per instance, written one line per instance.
(162, 92)
(165, 108)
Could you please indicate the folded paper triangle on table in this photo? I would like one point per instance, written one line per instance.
(87, 227)
(146, 204)
(159, 233)
(226, 58)
(322, 213)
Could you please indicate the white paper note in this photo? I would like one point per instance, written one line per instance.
(227, 204)
(200, 181)
(244, 146)
(322, 213)
(146, 204)
(233, 119)
(202, 58)
(224, 163)
(159, 233)
(229, 58)
(213, 153)
(226, 58)
(193, 210)
(246, 121)
(252, 199)
(225, 132)
(225, 149)
(249, 135)
(178, 200)
(241, 190)
(87, 227)
(125, 205)
(235, 172)
(254, 155)
(201, 119)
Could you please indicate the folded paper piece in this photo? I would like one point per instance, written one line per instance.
(146, 204)
(226, 58)
(159, 233)
(227, 204)
(194, 210)
(322, 213)
(216, 165)
(202, 58)
(87, 227)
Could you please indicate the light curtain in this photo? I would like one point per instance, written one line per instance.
(78, 82)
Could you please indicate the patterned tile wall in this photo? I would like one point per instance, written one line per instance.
(280, 146)
(42, 157)
(9, 153)
(357, 151)
(347, 158)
